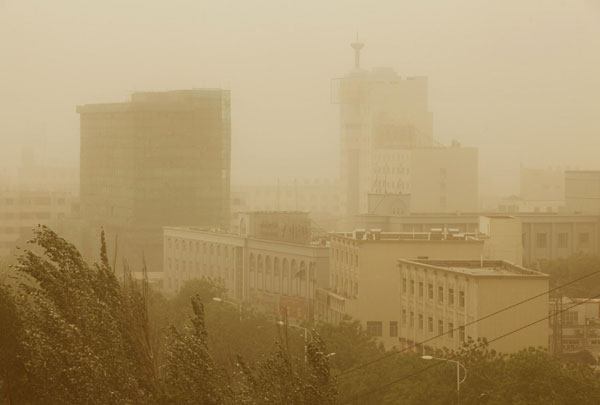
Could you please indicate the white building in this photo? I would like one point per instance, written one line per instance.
(272, 262)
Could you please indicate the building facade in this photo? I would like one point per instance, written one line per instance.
(272, 263)
(387, 145)
(444, 180)
(582, 191)
(441, 299)
(21, 211)
(380, 112)
(576, 328)
(543, 236)
(162, 159)
(364, 280)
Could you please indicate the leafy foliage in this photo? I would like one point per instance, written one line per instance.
(571, 268)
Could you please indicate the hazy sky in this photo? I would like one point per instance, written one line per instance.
(519, 79)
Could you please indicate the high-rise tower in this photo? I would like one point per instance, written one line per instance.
(162, 159)
(379, 112)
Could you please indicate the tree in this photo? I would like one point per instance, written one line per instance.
(12, 369)
(191, 375)
(573, 267)
(82, 337)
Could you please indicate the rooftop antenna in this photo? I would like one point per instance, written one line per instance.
(357, 46)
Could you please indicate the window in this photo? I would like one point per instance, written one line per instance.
(450, 296)
(440, 327)
(441, 294)
(461, 333)
(430, 291)
(563, 240)
(461, 299)
(430, 324)
(412, 319)
(404, 285)
(450, 329)
(420, 321)
(571, 317)
(374, 328)
(420, 289)
(393, 328)
(404, 317)
(412, 287)
(540, 240)
(584, 240)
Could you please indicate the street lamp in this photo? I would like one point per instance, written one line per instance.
(281, 323)
(458, 366)
(235, 304)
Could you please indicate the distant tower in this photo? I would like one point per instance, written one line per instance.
(357, 46)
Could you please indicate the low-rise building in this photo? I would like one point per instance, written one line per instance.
(272, 262)
(21, 211)
(575, 325)
(543, 236)
(364, 280)
(582, 191)
(440, 300)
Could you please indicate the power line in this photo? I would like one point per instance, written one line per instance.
(384, 386)
(464, 326)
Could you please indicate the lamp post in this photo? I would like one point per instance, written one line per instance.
(458, 366)
(239, 305)
(281, 323)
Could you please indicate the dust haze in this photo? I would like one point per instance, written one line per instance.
(299, 202)
(518, 80)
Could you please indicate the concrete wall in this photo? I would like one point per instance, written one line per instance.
(498, 293)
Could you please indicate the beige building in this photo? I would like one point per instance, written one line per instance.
(502, 236)
(161, 159)
(363, 282)
(542, 184)
(577, 328)
(387, 145)
(272, 263)
(582, 191)
(444, 180)
(311, 195)
(543, 236)
(439, 296)
(381, 114)
(21, 211)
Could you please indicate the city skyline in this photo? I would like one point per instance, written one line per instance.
(489, 89)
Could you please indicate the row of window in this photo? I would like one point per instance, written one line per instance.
(409, 286)
(411, 322)
(25, 215)
(375, 328)
(562, 242)
(31, 201)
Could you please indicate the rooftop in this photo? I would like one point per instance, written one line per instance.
(494, 268)
(436, 234)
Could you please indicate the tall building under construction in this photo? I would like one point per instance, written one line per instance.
(162, 159)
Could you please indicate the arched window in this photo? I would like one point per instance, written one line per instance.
(285, 277)
(252, 270)
(268, 274)
(294, 277)
(260, 273)
(303, 279)
(276, 277)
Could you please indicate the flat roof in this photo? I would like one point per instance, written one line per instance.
(485, 268)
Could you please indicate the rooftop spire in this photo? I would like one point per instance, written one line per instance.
(357, 46)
